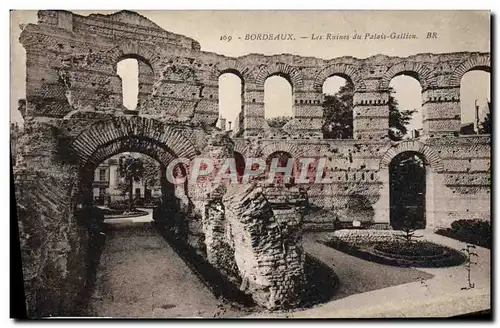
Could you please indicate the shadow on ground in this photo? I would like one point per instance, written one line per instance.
(322, 282)
(221, 287)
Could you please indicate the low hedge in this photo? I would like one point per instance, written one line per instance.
(111, 211)
(417, 254)
(414, 249)
(124, 214)
(119, 205)
(471, 231)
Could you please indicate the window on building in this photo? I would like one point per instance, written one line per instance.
(102, 175)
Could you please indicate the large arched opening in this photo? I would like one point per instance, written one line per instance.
(127, 182)
(137, 77)
(231, 100)
(278, 100)
(408, 187)
(106, 140)
(281, 166)
(405, 106)
(338, 93)
(475, 102)
(240, 164)
(111, 195)
(119, 181)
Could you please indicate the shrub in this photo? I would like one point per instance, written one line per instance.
(111, 211)
(278, 122)
(410, 249)
(472, 231)
(475, 227)
(153, 202)
(119, 205)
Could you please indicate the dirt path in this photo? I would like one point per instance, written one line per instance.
(357, 275)
(140, 275)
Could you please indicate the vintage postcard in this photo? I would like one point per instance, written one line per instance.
(251, 164)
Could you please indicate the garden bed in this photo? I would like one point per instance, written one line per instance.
(110, 213)
(400, 253)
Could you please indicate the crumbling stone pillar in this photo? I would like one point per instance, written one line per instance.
(54, 240)
(214, 226)
(268, 254)
(206, 192)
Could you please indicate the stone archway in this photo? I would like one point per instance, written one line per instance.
(240, 163)
(419, 71)
(141, 135)
(430, 154)
(281, 159)
(348, 72)
(481, 62)
(292, 74)
(153, 134)
(433, 165)
(294, 150)
(407, 191)
(283, 151)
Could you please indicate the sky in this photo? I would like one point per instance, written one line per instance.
(457, 31)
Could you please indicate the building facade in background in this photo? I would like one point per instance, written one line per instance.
(108, 185)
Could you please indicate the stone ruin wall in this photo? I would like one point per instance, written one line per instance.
(267, 247)
(72, 68)
(254, 245)
(73, 93)
(458, 185)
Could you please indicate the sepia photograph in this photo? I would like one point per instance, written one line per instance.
(251, 164)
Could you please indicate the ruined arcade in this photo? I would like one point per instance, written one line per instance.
(75, 119)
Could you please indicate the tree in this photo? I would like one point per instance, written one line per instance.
(407, 226)
(398, 119)
(151, 175)
(485, 126)
(278, 122)
(131, 169)
(338, 115)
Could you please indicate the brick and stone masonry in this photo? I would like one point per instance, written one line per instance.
(75, 118)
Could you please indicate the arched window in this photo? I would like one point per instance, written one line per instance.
(278, 100)
(230, 100)
(405, 107)
(240, 163)
(128, 70)
(337, 105)
(283, 159)
(475, 103)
